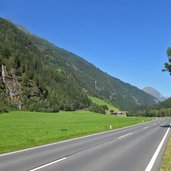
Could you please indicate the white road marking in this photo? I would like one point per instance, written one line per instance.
(48, 164)
(153, 159)
(146, 127)
(125, 135)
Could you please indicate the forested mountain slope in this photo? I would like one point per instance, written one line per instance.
(164, 105)
(36, 74)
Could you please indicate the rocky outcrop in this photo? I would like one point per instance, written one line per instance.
(13, 87)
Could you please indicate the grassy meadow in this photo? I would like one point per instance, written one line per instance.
(101, 102)
(19, 129)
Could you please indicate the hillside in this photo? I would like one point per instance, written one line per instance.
(28, 81)
(155, 93)
(162, 109)
(164, 105)
(36, 74)
(101, 102)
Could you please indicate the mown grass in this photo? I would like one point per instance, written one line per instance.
(166, 161)
(20, 129)
(101, 102)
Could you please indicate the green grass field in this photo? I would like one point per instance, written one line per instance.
(101, 102)
(20, 129)
(166, 161)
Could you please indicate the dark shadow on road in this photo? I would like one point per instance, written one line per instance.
(165, 126)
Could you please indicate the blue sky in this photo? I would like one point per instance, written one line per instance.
(126, 38)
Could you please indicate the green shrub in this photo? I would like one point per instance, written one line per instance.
(96, 108)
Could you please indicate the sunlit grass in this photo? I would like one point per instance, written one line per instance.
(166, 161)
(101, 102)
(20, 129)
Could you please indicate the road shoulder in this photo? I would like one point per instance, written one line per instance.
(166, 161)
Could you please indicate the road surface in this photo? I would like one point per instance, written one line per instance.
(136, 148)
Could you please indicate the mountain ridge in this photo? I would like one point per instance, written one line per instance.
(67, 71)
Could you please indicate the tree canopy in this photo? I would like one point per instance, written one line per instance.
(168, 64)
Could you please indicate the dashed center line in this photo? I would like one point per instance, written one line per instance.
(146, 127)
(56, 161)
(125, 135)
(48, 164)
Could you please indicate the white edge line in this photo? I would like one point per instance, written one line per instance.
(153, 159)
(48, 164)
(125, 135)
(86, 136)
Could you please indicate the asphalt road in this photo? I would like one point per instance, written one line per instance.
(136, 148)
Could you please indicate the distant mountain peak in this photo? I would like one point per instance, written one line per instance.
(155, 93)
